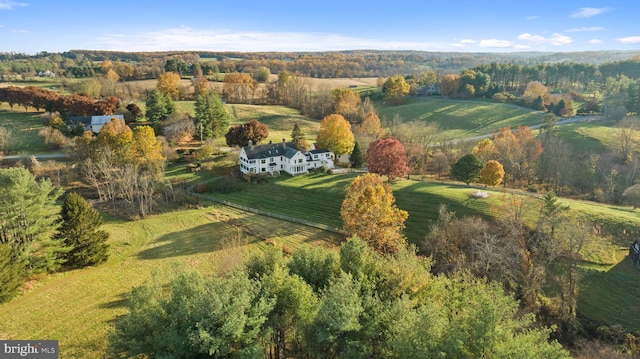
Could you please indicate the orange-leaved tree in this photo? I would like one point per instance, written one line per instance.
(369, 212)
(492, 173)
(387, 157)
(371, 126)
(335, 135)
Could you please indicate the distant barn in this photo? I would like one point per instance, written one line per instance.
(634, 253)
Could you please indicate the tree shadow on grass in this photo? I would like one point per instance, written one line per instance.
(611, 297)
(200, 239)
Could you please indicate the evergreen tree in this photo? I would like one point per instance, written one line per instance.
(211, 119)
(11, 273)
(27, 215)
(87, 245)
(357, 157)
(297, 137)
(159, 106)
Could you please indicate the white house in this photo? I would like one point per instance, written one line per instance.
(274, 158)
(91, 123)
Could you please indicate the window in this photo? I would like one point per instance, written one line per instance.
(264, 169)
(263, 161)
(315, 157)
(300, 160)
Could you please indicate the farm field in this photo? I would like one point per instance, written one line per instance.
(78, 307)
(458, 119)
(608, 276)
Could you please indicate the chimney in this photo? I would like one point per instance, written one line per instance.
(250, 144)
(284, 143)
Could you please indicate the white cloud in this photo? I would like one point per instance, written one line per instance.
(585, 29)
(555, 39)
(468, 41)
(533, 17)
(633, 40)
(20, 31)
(495, 43)
(10, 5)
(585, 12)
(185, 38)
(596, 41)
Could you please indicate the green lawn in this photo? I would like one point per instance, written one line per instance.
(279, 119)
(78, 307)
(589, 137)
(459, 119)
(318, 197)
(24, 127)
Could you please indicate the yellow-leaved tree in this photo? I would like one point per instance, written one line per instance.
(492, 173)
(369, 212)
(168, 84)
(335, 135)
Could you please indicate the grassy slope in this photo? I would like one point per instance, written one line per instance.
(605, 286)
(78, 307)
(461, 119)
(24, 127)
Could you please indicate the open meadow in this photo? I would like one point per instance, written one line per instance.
(78, 307)
(458, 119)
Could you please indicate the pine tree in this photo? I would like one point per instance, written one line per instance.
(79, 230)
(211, 118)
(357, 157)
(297, 137)
(11, 273)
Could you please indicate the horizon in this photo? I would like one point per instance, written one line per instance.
(36, 26)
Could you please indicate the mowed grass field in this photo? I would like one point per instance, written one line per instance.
(458, 119)
(79, 307)
(608, 280)
(24, 128)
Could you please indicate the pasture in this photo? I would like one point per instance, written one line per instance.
(78, 307)
(458, 119)
(24, 127)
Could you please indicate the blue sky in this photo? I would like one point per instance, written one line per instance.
(31, 26)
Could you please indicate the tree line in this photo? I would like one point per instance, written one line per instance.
(360, 63)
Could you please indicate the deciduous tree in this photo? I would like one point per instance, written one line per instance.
(253, 131)
(346, 103)
(168, 84)
(492, 173)
(335, 135)
(369, 212)
(631, 195)
(466, 169)
(387, 157)
(371, 126)
(395, 88)
(85, 243)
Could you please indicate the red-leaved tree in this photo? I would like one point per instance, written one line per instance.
(387, 157)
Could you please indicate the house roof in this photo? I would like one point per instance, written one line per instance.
(319, 151)
(270, 150)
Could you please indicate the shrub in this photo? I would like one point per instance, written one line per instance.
(225, 184)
